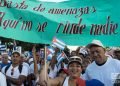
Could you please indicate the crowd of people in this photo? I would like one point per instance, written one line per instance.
(92, 65)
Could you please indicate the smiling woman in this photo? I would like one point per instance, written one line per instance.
(73, 79)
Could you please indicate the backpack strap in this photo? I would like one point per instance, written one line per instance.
(63, 81)
(20, 68)
(6, 68)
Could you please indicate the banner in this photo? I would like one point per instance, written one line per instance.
(76, 22)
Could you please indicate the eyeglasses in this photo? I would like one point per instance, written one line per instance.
(12, 71)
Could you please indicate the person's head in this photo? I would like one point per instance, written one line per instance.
(83, 52)
(5, 58)
(97, 51)
(38, 56)
(57, 50)
(73, 53)
(65, 61)
(74, 66)
(30, 61)
(0, 57)
(16, 58)
(85, 63)
(42, 61)
(117, 54)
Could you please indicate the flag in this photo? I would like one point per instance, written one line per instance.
(60, 58)
(42, 53)
(58, 43)
(3, 47)
(49, 52)
(14, 45)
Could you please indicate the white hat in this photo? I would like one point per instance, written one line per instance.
(16, 52)
(30, 60)
(4, 53)
(95, 42)
(83, 51)
(9, 57)
(75, 59)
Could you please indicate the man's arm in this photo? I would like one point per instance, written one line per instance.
(35, 61)
(15, 81)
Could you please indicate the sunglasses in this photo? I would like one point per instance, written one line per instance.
(12, 71)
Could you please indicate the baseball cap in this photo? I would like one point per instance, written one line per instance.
(95, 43)
(16, 53)
(30, 60)
(75, 59)
(83, 51)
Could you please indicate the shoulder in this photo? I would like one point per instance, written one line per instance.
(56, 81)
(61, 80)
(91, 66)
(32, 64)
(24, 70)
(2, 76)
(114, 61)
(5, 68)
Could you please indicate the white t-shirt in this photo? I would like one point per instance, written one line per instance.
(2, 80)
(66, 81)
(106, 73)
(26, 64)
(53, 72)
(16, 72)
(31, 69)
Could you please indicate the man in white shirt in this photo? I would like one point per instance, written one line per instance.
(2, 80)
(16, 73)
(103, 68)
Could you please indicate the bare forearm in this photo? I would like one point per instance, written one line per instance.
(15, 81)
(35, 64)
(35, 60)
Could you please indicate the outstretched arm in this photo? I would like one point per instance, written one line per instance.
(49, 82)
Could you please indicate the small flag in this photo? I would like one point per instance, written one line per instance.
(58, 43)
(14, 45)
(49, 51)
(42, 53)
(60, 58)
(3, 47)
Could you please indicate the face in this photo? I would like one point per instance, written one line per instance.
(16, 58)
(98, 54)
(117, 55)
(57, 50)
(37, 56)
(5, 58)
(74, 69)
(42, 61)
(85, 63)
